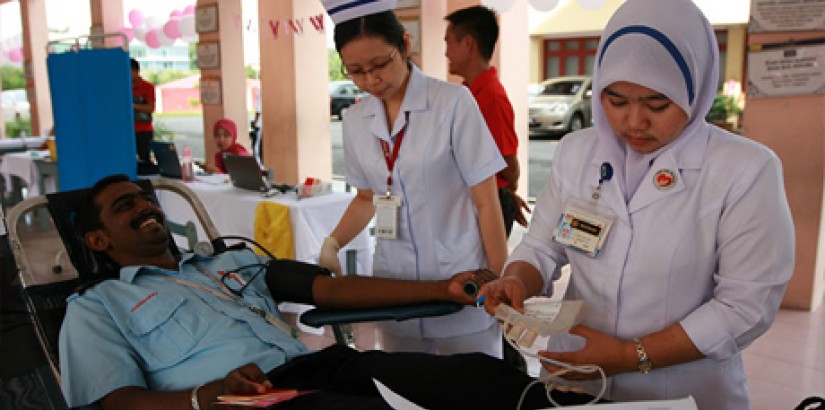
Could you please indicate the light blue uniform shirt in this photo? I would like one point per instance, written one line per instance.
(446, 150)
(145, 330)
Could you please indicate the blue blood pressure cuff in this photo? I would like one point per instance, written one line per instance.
(291, 281)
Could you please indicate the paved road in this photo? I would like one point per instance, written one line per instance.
(188, 131)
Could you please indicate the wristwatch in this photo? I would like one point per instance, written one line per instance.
(644, 363)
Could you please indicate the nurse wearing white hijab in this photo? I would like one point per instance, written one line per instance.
(701, 245)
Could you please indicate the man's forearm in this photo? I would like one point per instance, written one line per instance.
(358, 292)
(511, 173)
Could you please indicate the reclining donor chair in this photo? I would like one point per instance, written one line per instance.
(47, 279)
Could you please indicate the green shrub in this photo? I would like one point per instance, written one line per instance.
(13, 128)
(724, 106)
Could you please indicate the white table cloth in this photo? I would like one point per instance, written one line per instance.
(233, 212)
(22, 165)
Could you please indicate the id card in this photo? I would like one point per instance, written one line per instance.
(584, 226)
(386, 216)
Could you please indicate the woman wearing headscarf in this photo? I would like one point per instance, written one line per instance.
(678, 233)
(226, 139)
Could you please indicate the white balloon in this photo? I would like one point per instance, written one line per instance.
(187, 26)
(140, 33)
(164, 40)
(544, 5)
(153, 22)
(499, 5)
(189, 39)
(591, 4)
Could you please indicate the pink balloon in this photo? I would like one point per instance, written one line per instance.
(175, 13)
(129, 32)
(151, 38)
(16, 55)
(190, 9)
(136, 18)
(172, 28)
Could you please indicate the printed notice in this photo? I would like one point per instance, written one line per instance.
(787, 71)
(786, 15)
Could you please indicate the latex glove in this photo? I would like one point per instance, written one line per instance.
(329, 255)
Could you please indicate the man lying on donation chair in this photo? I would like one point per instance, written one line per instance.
(175, 334)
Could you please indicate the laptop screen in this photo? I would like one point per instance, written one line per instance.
(167, 157)
(245, 172)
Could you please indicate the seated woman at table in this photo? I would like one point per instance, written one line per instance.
(226, 138)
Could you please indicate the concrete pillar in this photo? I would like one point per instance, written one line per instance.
(794, 128)
(294, 95)
(107, 17)
(35, 38)
(231, 74)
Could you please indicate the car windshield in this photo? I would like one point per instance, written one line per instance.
(562, 88)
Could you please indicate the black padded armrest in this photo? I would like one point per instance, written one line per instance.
(320, 317)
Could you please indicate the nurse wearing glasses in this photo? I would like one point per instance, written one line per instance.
(424, 163)
(679, 235)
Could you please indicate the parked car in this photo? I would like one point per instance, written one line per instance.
(342, 94)
(562, 105)
(15, 105)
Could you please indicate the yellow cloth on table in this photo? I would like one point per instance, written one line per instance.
(273, 230)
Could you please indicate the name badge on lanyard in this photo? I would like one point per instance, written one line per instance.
(386, 216)
(584, 225)
(387, 206)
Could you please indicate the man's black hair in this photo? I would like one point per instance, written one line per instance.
(88, 217)
(135, 64)
(88, 220)
(478, 22)
(384, 25)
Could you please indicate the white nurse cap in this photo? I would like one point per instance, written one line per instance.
(343, 10)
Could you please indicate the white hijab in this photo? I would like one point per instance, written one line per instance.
(665, 45)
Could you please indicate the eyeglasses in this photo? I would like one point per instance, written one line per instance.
(359, 74)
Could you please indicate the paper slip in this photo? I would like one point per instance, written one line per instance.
(395, 400)
(266, 399)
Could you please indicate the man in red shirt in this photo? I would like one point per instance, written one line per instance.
(471, 38)
(143, 98)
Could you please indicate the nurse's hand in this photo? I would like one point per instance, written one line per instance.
(463, 287)
(614, 356)
(508, 290)
(328, 257)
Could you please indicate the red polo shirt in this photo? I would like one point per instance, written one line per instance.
(144, 92)
(497, 112)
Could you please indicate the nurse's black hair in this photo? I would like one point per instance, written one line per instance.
(384, 25)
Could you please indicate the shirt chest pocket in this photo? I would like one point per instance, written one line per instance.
(164, 329)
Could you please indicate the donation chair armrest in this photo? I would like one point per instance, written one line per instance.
(319, 317)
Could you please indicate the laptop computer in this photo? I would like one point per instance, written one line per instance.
(166, 156)
(245, 173)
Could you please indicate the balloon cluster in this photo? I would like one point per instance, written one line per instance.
(15, 54)
(156, 33)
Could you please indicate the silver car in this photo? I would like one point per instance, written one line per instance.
(563, 105)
